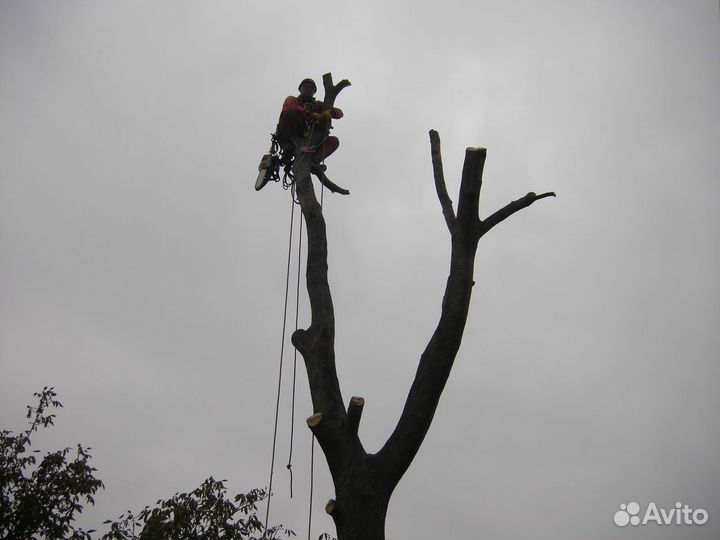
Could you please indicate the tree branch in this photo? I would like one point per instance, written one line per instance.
(332, 90)
(324, 180)
(314, 420)
(445, 202)
(437, 359)
(510, 208)
(439, 355)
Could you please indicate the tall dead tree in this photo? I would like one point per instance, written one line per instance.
(364, 482)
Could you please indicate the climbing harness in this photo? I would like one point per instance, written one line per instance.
(270, 164)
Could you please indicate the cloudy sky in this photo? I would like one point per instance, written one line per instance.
(143, 277)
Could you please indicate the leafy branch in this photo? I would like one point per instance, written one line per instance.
(40, 498)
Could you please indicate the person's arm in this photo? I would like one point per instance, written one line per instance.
(292, 104)
(334, 113)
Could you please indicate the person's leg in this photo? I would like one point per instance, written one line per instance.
(326, 149)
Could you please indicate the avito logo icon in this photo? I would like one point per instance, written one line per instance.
(628, 513)
(682, 514)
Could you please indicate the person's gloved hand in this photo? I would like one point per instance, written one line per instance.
(321, 116)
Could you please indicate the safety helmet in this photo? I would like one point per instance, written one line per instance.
(308, 81)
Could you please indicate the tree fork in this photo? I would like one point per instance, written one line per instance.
(364, 482)
(466, 228)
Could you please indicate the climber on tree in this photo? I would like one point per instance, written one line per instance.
(296, 117)
(302, 119)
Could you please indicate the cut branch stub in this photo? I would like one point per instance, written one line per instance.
(357, 401)
(468, 217)
(314, 420)
(354, 413)
(330, 506)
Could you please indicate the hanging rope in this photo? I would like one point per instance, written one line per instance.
(294, 378)
(282, 354)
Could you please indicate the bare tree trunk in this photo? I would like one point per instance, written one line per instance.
(364, 482)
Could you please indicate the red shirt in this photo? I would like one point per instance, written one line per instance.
(293, 103)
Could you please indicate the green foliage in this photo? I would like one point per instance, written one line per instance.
(203, 514)
(39, 497)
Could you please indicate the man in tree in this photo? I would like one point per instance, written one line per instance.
(303, 130)
(296, 118)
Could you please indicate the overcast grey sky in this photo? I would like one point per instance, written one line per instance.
(143, 277)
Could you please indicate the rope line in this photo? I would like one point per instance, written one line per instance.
(294, 378)
(279, 386)
(322, 192)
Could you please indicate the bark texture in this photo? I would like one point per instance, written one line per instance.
(364, 482)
